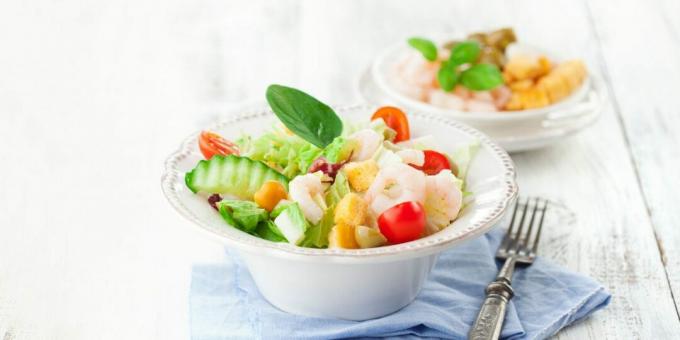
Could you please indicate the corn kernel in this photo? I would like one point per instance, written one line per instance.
(269, 195)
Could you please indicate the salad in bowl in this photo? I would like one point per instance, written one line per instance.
(316, 181)
(316, 199)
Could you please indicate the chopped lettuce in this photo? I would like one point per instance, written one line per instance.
(292, 224)
(269, 231)
(317, 235)
(458, 182)
(462, 158)
(339, 150)
(243, 215)
(279, 208)
(285, 152)
(337, 190)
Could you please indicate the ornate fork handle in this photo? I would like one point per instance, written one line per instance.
(490, 318)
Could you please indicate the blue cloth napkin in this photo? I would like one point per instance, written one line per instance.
(225, 304)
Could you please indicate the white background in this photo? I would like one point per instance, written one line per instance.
(94, 95)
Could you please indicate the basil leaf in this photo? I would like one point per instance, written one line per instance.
(426, 47)
(304, 115)
(465, 52)
(447, 76)
(481, 77)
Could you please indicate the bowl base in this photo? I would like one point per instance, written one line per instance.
(341, 291)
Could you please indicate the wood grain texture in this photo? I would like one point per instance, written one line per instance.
(644, 95)
(94, 95)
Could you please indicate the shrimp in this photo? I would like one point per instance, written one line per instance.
(443, 200)
(415, 70)
(481, 101)
(484, 96)
(501, 96)
(415, 77)
(481, 106)
(447, 100)
(412, 156)
(368, 142)
(393, 185)
(307, 190)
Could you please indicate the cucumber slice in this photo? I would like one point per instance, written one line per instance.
(234, 175)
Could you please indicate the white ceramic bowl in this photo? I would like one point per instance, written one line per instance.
(514, 130)
(349, 284)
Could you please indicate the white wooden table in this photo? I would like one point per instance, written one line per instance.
(93, 95)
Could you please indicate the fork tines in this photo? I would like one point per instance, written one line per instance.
(525, 228)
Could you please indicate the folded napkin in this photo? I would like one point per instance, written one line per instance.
(224, 302)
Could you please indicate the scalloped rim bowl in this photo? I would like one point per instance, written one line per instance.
(319, 282)
(176, 165)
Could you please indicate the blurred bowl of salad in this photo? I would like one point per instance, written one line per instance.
(339, 211)
(491, 81)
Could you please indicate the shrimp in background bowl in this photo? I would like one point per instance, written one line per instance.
(486, 72)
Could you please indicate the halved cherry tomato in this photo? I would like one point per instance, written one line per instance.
(212, 144)
(434, 163)
(403, 222)
(396, 120)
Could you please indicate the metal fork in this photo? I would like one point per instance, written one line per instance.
(517, 247)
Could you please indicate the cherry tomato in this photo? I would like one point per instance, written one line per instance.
(434, 163)
(396, 120)
(403, 222)
(212, 144)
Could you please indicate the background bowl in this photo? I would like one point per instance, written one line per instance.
(323, 282)
(514, 130)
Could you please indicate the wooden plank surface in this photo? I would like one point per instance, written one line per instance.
(645, 93)
(88, 246)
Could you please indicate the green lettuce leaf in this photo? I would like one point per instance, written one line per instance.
(243, 215)
(287, 153)
(337, 190)
(279, 208)
(317, 235)
(269, 231)
(462, 158)
(292, 224)
(339, 150)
